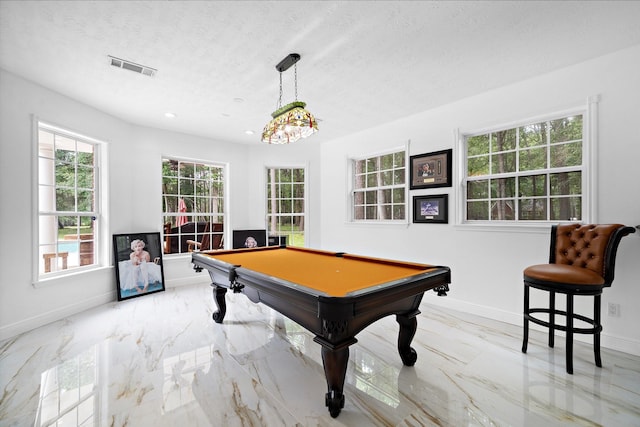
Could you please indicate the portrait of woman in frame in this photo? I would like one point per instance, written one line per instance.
(138, 264)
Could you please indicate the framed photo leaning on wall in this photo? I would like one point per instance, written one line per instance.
(431, 209)
(138, 263)
(431, 170)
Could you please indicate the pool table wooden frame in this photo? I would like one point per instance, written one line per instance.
(334, 320)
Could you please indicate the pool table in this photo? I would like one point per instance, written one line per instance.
(333, 295)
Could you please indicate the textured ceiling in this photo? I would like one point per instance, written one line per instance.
(363, 62)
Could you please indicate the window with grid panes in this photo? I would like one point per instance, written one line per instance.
(68, 203)
(532, 172)
(286, 205)
(193, 205)
(379, 188)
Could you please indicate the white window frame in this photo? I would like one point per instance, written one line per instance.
(100, 225)
(306, 197)
(225, 182)
(589, 169)
(351, 187)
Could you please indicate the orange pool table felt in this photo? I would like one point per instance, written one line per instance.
(322, 271)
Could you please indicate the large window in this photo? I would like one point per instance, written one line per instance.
(193, 205)
(286, 204)
(533, 172)
(379, 188)
(68, 202)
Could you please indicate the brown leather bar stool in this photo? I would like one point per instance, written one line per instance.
(581, 262)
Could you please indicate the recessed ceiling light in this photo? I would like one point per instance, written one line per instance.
(249, 132)
(170, 115)
(238, 100)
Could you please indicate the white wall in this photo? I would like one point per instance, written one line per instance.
(487, 265)
(21, 305)
(304, 153)
(134, 187)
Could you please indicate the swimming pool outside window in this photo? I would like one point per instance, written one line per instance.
(68, 201)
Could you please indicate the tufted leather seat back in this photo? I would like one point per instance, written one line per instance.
(583, 245)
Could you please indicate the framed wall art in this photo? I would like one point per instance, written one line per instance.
(431, 209)
(249, 238)
(138, 262)
(431, 170)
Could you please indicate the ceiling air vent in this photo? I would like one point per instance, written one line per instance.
(132, 66)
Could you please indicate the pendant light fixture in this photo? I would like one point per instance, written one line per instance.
(292, 121)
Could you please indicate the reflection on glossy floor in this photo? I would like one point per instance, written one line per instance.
(160, 361)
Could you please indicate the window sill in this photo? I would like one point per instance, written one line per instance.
(54, 280)
(521, 227)
(175, 255)
(377, 223)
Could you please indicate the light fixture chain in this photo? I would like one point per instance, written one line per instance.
(295, 78)
(280, 97)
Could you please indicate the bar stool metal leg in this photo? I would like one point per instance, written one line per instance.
(525, 338)
(552, 318)
(598, 328)
(569, 350)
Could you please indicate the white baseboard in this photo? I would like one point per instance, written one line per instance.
(607, 341)
(59, 313)
(54, 315)
(186, 281)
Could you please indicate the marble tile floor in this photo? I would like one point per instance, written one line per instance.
(160, 360)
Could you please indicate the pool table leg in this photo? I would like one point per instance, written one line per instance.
(408, 327)
(335, 370)
(219, 293)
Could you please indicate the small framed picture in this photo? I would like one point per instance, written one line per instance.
(431, 170)
(249, 238)
(431, 209)
(138, 263)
